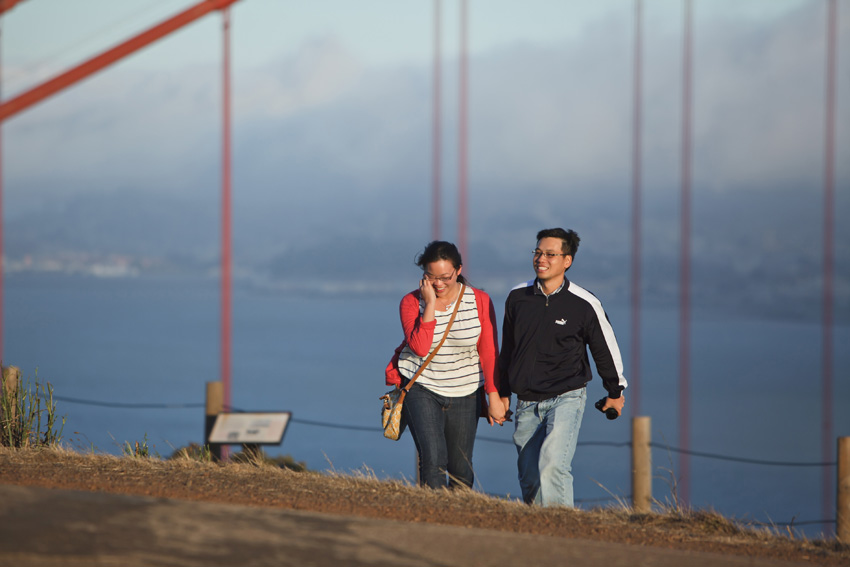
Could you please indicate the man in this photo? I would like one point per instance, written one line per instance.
(549, 324)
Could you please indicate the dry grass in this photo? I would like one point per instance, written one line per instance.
(259, 482)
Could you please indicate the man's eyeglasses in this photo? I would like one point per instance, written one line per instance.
(549, 255)
(445, 279)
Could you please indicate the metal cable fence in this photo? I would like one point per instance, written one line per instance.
(613, 444)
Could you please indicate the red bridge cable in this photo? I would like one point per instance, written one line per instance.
(1, 191)
(99, 62)
(462, 133)
(436, 147)
(634, 370)
(6, 5)
(684, 307)
(226, 220)
(827, 441)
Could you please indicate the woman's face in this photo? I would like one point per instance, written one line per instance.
(442, 275)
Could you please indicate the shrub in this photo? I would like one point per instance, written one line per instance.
(257, 457)
(193, 452)
(27, 412)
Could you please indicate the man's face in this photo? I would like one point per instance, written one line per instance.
(550, 261)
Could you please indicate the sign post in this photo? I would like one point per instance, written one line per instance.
(249, 429)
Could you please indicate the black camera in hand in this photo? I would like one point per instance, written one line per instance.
(610, 413)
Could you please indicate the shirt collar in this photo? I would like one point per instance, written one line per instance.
(539, 288)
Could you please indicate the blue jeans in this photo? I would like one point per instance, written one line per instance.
(545, 436)
(444, 432)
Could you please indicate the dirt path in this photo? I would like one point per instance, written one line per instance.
(280, 489)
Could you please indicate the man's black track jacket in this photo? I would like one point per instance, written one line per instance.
(545, 340)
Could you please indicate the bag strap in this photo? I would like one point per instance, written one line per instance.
(434, 352)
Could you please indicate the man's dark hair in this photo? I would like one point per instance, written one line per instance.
(569, 239)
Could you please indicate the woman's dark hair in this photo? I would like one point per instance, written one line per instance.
(437, 250)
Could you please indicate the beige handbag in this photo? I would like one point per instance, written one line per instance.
(391, 418)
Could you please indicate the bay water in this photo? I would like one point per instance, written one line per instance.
(104, 343)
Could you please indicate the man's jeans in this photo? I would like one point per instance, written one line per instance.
(545, 437)
(444, 432)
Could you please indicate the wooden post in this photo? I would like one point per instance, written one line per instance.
(11, 382)
(215, 406)
(842, 505)
(641, 465)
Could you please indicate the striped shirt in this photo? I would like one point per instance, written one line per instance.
(456, 370)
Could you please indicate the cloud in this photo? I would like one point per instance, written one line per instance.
(321, 72)
(759, 102)
(543, 116)
(326, 147)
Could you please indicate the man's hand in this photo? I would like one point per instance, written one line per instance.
(508, 413)
(616, 403)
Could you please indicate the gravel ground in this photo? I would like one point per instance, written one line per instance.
(270, 486)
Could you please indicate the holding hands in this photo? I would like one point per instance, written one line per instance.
(499, 409)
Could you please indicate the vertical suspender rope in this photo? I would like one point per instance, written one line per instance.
(827, 442)
(634, 381)
(684, 259)
(436, 142)
(226, 224)
(2, 250)
(462, 132)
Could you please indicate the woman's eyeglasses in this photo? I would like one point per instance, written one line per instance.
(444, 279)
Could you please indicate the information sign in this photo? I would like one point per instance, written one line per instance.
(250, 428)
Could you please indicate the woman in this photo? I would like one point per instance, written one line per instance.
(444, 404)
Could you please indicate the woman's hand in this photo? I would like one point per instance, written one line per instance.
(426, 288)
(508, 413)
(496, 409)
(429, 296)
